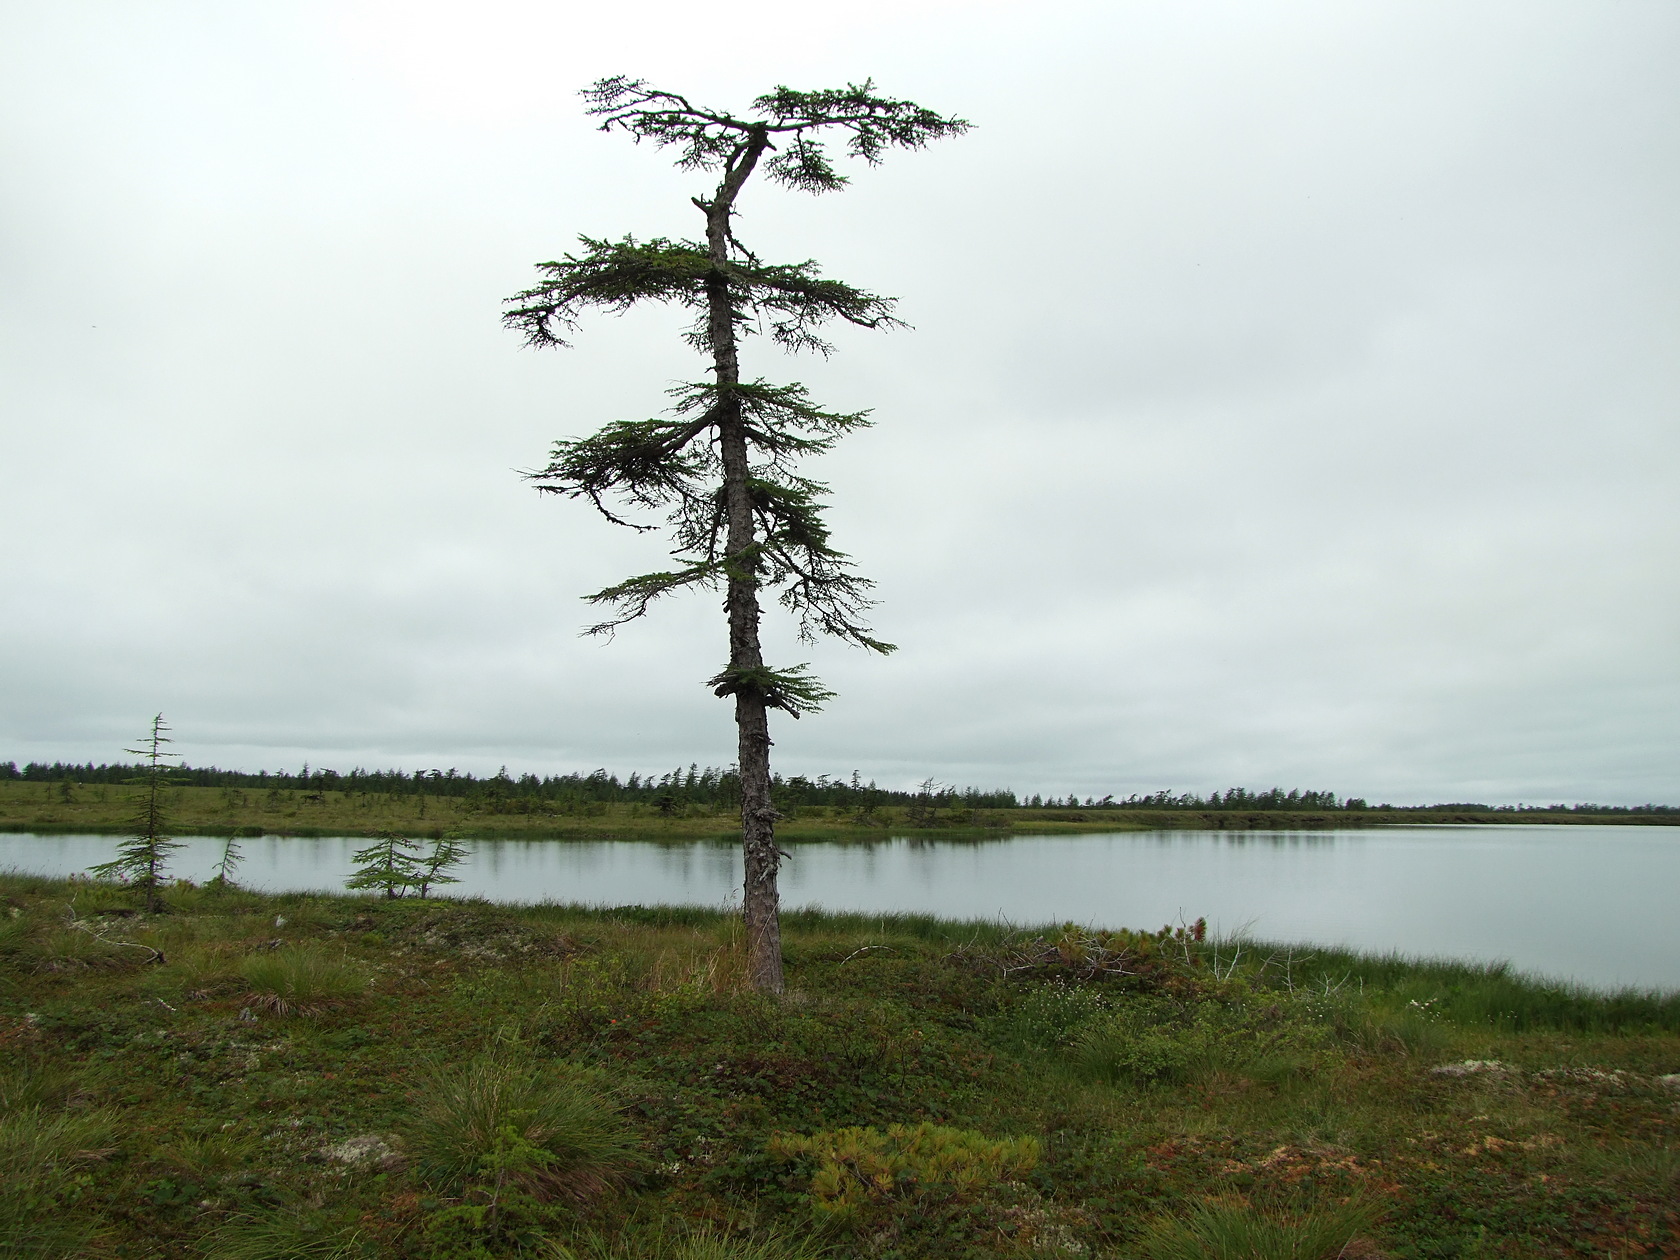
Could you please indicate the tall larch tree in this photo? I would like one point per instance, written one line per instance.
(722, 461)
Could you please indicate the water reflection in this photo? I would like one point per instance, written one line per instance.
(1589, 903)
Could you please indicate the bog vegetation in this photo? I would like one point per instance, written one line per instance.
(252, 1076)
(695, 801)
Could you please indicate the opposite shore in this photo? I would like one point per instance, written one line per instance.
(105, 809)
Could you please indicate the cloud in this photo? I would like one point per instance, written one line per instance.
(1290, 398)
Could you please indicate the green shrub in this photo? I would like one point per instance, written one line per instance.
(1228, 1230)
(1148, 1043)
(504, 1118)
(1052, 1014)
(855, 1166)
(302, 979)
(1112, 1051)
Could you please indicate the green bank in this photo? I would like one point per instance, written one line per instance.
(255, 1076)
(108, 808)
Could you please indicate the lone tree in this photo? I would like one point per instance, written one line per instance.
(142, 856)
(722, 461)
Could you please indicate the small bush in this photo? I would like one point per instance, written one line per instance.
(855, 1166)
(1221, 1230)
(1114, 1052)
(1148, 1043)
(503, 1117)
(301, 980)
(1053, 1014)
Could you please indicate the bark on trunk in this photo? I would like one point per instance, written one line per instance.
(761, 858)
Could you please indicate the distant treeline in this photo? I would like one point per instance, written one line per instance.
(693, 786)
(712, 786)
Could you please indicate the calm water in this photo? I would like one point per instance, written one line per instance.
(1594, 904)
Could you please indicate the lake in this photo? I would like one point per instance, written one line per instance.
(1584, 903)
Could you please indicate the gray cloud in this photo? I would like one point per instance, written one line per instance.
(1291, 398)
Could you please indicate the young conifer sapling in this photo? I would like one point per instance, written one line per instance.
(142, 856)
(722, 462)
(434, 868)
(388, 864)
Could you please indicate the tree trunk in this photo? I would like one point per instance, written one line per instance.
(760, 858)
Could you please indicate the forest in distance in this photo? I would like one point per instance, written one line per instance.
(710, 787)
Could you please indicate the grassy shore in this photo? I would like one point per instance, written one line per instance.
(106, 809)
(310, 1076)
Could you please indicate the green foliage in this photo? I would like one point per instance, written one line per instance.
(505, 1118)
(1147, 1042)
(231, 858)
(891, 1021)
(1231, 1230)
(1461, 993)
(1053, 1014)
(141, 858)
(389, 864)
(855, 1167)
(43, 1155)
(302, 980)
(709, 141)
(447, 853)
(722, 465)
(661, 1239)
(793, 690)
(287, 1233)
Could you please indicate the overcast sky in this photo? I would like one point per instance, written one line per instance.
(1291, 399)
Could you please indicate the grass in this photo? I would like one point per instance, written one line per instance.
(1233, 1230)
(551, 1128)
(301, 980)
(284, 1234)
(551, 1081)
(43, 1153)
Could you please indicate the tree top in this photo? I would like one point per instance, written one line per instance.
(711, 139)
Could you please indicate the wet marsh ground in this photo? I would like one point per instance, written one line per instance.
(305, 1075)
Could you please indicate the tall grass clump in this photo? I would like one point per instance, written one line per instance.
(664, 1240)
(41, 1154)
(504, 1118)
(1231, 1230)
(301, 980)
(283, 1234)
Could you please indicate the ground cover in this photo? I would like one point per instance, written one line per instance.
(101, 808)
(304, 1075)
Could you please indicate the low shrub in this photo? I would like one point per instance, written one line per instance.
(855, 1166)
(1155, 1042)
